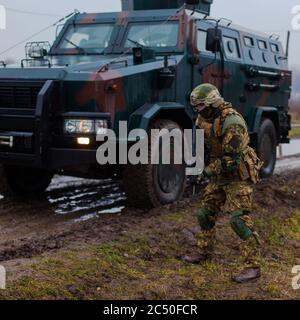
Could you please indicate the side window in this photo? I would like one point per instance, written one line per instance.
(262, 45)
(201, 40)
(231, 48)
(275, 50)
(249, 42)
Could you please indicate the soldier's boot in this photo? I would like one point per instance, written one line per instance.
(250, 248)
(206, 238)
(205, 245)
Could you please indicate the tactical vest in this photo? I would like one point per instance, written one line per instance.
(213, 131)
(250, 165)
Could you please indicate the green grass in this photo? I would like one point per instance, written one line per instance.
(133, 268)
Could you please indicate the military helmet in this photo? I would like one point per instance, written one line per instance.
(206, 95)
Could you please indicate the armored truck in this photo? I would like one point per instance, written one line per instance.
(139, 66)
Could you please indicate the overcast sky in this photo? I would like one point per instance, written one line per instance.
(265, 15)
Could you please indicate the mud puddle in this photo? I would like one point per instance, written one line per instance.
(90, 197)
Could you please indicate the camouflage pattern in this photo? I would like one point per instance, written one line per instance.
(206, 94)
(228, 140)
(229, 190)
(251, 252)
(206, 241)
(227, 197)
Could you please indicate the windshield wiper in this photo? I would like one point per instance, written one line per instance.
(136, 43)
(75, 45)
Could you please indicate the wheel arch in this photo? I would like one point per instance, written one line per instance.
(144, 116)
(261, 113)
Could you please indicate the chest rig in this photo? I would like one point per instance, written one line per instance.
(250, 165)
(213, 131)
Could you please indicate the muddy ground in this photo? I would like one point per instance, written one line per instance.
(81, 242)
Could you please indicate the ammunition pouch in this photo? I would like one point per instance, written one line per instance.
(205, 219)
(250, 166)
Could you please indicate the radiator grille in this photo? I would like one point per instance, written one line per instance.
(19, 96)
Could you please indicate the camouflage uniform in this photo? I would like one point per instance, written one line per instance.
(233, 169)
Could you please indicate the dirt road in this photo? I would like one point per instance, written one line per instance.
(78, 213)
(37, 226)
(63, 217)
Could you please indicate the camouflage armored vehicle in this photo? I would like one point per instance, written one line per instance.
(139, 66)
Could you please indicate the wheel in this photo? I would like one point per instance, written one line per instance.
(23, 181)
(266, 150)
(152, 185)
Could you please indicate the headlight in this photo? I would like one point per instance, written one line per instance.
(85, 126)
(101, 126)
(79, 126)
(70, 126)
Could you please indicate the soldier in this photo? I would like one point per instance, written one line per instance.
(234, 167)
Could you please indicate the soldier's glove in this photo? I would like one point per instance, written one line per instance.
(196, 180)
(230, 165)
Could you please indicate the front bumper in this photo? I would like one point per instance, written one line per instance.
(54, 158)
(31, 130)
(19, 148)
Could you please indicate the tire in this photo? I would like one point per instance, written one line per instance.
(149, 186)
(23, 181)
(266, 150)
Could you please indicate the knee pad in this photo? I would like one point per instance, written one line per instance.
(239, 225)
(206, 219)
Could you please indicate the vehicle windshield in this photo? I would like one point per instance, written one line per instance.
(85, 37)
(152, 35)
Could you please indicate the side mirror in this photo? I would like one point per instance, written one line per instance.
(142, 55)
(213, 40)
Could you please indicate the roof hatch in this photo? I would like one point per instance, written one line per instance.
(201, 5)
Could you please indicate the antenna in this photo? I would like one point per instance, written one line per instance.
(288, 44)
